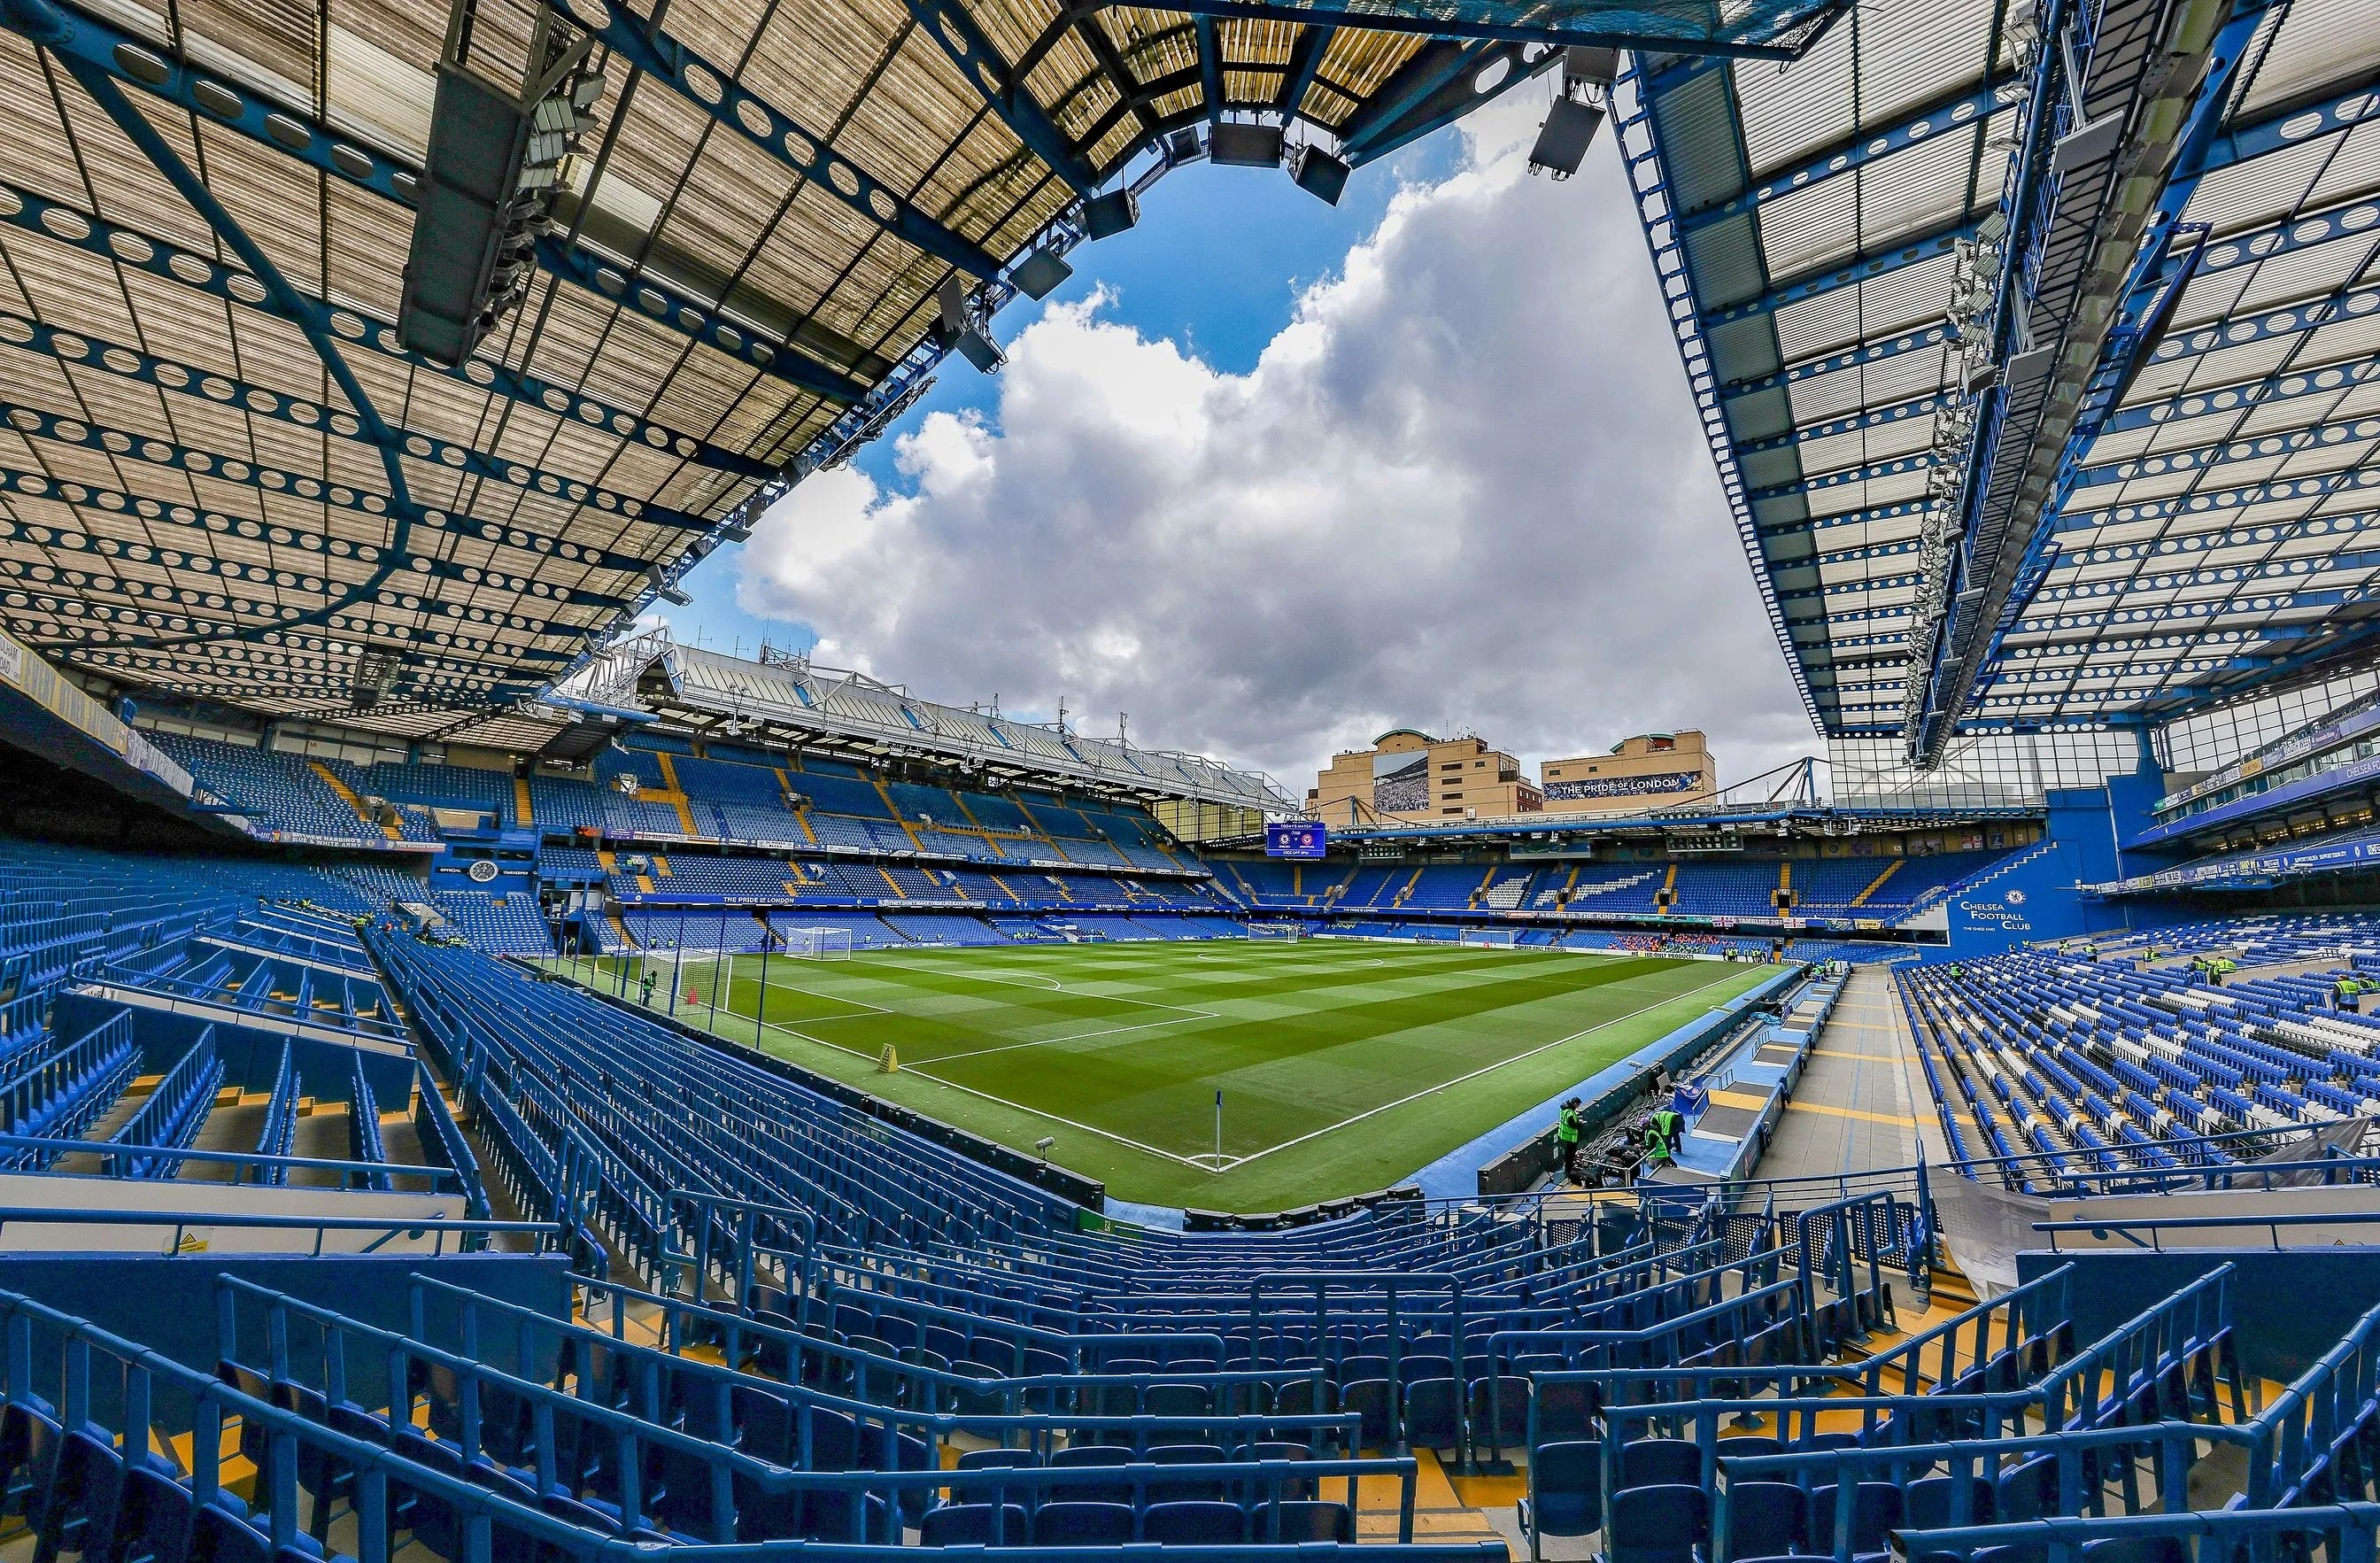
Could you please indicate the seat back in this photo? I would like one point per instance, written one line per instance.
(1194, 1523)
(1663, 1522)
(1566, 1484)
(1082, 1524)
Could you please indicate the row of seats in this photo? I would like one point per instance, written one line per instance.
(1882, 888)
(2100, 1066)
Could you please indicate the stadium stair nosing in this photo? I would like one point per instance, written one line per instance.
(675, 797)
(522, 815)
(1877, 882)
(347, 796)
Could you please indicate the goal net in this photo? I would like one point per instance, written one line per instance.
(818, 944)
(1494, 938)
(1276, 930)
(672, 979)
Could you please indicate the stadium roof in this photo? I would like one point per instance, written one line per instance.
(248, 458)
(788, 700)
(2120, 479)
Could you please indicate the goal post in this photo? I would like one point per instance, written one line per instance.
(818, 944)
(1490, 939)
(1276, 930)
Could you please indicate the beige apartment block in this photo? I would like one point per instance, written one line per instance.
(1408, 778)
(1644, 772)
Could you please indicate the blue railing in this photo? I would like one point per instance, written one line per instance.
(173, 1114)
(280, 1130)
(99, 1368)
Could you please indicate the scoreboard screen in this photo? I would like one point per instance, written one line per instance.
(1296, 838)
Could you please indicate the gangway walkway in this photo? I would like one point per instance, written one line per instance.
(1861, 1104)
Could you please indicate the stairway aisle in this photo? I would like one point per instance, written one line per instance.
(1862, 1104)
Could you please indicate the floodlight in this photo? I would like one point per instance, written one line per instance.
(487, 188)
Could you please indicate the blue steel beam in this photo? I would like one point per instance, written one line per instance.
(291, 132)
(1304, 59)
(975, 56)
(2307, 490)
(41, 22)
(1924, 338)
(2187, 613)
(715, 90)
(109, 358)
(2286, 386)
(40, 485)
(2266, 325)
(1850, 423)
(1851, 556)
(189, 268)
(1757, 30)
(1848, 588)
(37, 423)
(2251, 246)
(1437, 86)
(1898, 466)
(2348, 525)
(1846, 519)
(1965, 107)
(1210, 65)
(2205, 457)
(2245, 577)
(1916, 249)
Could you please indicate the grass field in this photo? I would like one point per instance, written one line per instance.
(1344, 1066)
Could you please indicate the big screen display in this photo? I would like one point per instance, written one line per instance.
(1296, 838)
(1401, 782)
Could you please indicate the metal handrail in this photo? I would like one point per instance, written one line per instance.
(391, 1227)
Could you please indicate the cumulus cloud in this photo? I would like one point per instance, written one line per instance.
(1465, 488)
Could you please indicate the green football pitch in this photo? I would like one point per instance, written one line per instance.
(1344, 1066)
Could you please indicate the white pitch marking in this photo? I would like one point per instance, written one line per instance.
(1447, 1084)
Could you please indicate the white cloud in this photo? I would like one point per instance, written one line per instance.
(1464, 488)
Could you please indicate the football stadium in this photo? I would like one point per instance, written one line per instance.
(491, 1078)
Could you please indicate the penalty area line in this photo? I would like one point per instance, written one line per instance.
(1459, 1079)
(924, 1073)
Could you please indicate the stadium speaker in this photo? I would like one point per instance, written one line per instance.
(1038, 274)
(960, 331)
(1235, 145)
(1319, 173)
(1106, 215)
(1586, 63)
(1562, 140)
(665, 589)
(1183, 146)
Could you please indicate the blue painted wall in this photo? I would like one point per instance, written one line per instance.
(2287, 1308)
(169, 1304)
(2038, 899)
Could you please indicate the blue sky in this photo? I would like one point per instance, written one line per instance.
(1274, 477)
(1217, 265)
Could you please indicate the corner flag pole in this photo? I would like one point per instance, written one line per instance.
(1219, 1129)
